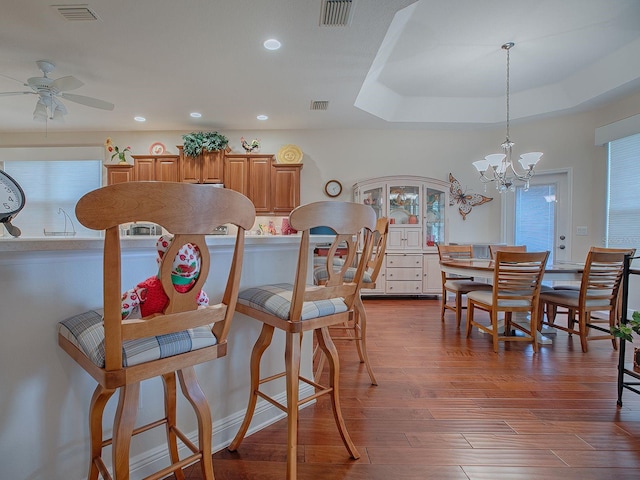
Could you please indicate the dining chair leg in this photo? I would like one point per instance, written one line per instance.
(458, 309)
(360, 320)
(470, 313)
(330, 351)
(582, 327)
(494, 327)
(193, 393)
(443, 304)
(99, 401)
(262, 343)
(123, 425)
(169, 382)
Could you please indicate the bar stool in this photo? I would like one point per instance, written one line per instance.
(356, 329)
(119, 354)
(296, 308)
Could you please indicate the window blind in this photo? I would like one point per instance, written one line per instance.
(623, 198)
(51, 189)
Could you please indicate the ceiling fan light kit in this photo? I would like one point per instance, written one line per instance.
(49, 91)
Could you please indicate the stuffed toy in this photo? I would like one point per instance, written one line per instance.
(148, 297)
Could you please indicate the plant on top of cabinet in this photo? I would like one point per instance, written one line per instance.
(196, 142)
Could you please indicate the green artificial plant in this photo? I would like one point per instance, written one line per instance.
(626, 330)
(196, 142)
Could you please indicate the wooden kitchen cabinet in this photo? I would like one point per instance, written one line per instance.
(161, 168)
(208, 167)
(119, 173)
(273, 188)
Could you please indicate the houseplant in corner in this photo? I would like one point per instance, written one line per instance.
(196, 142)
(626, 330)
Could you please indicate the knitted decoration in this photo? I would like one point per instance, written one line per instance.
(148, 297)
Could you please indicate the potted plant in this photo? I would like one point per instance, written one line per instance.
(196, 142)
(626, 330)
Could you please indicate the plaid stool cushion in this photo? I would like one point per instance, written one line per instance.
(86, 331)
(276, 300)
(320, 275)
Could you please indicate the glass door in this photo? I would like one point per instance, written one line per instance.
(404, 204)
(434, 217)
(540, 217)
(374, 197)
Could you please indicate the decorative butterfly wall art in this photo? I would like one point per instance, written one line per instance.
(465, 201)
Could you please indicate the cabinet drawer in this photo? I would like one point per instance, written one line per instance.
(404, 286)
(404, 261)
(404, 274)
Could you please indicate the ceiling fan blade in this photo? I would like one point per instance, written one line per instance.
(7, 94)
(14, 79)
(66, 83)
(88, 101)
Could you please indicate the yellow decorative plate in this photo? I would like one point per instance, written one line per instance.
(289, 154)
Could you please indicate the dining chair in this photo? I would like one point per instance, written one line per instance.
(456, 284)
(354, 330)
(296, 308)
(598, 292)
(517, 278)
(119, 354)
(493, 249)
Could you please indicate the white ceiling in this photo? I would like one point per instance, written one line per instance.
(403, 64)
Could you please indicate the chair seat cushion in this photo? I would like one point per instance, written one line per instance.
(86, 331)
(321, 275)
(486, 297)
(571, 298)
(276, 300)
(466, 285)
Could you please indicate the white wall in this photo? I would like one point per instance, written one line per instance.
(353, 155)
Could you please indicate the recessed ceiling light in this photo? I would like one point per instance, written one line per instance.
(195, 114)
(140, 119)
(272, 44)
(262, 117)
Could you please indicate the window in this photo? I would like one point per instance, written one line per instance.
(535, 218)
(623, 201)
(52, 189)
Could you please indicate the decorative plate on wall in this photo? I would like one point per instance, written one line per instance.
(157, 149)
(289, 154)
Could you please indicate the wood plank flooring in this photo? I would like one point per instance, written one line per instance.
(448, 407)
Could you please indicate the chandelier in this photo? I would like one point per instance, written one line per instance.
(498, 167)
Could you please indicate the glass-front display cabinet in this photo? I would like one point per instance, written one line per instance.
(417, 212)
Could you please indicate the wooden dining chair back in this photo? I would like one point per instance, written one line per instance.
(517, 279)
(456, 284)
(599, 292)
(119, 353)
(494, 249)
(355, 330)
(296, 308)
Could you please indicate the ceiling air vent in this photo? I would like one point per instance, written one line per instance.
(319, 104)
(336, 13)
(76, 13)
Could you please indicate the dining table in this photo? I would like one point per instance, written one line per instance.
(484, 268)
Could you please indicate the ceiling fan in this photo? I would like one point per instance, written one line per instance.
(49, 91)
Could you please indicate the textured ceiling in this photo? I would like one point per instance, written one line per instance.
(398, 64)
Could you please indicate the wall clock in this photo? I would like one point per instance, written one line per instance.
(11, 202)
(333, 188)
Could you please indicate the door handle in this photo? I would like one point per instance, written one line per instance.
(562, 237)
(561, 247)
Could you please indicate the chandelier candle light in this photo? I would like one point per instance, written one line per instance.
(498, 167)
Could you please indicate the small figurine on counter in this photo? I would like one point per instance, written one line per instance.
(250, 147)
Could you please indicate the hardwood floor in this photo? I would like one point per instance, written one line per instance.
(448, 407)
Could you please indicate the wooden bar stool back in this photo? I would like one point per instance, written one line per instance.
(119, 354)
(297, 308)
(356, 329)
